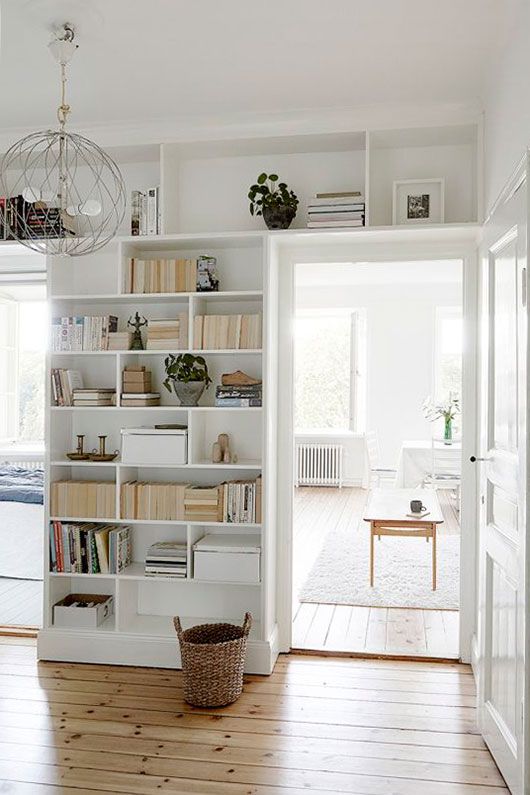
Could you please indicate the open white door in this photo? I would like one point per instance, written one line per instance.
(503, 487)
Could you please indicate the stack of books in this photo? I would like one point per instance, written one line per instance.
(160, 276)
(89, 548)
(86, 498)
(241, 501)
(161, 501)
(166, 559)
(328, 210)
(82, 333)
(137, 390)
(64, 382)
(20, 219)
(145, 212)
(239, 395)
(84, 398)
(227, 332)
(168, 333)
(202, 503)
(119, 340)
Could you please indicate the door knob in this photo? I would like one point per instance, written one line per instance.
(475, 458)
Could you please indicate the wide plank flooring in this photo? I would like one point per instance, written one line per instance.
(351, 628)
(319, 725)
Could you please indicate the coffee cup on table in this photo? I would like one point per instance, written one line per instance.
(416, 506)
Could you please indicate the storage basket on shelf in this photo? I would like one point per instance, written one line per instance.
(213, 659)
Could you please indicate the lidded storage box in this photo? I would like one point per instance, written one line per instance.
(227, 557)
(83, 611)
(145, 446)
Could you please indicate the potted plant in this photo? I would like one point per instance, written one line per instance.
(448, 409)
(188, 376)
(273, 200)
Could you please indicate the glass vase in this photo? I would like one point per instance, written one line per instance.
(448, 430)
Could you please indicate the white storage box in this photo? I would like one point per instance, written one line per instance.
(227, 558)
(70, 613)
(144, 446)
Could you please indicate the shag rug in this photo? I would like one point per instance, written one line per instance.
(341, 571)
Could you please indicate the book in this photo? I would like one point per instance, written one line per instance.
(338, 194)
(331, 224)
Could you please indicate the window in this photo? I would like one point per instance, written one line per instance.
(22, 362)
(329, 371)
(448, 353)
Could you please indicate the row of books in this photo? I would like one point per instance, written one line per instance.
(235, 501)
(89, 548)
(168, 333)
(20, 219)
(166, 559)
(82, 333)
(63, 384)
(162, 501)
(170, 275)
(87, 498)
(241, 395)
(145, 212)
(329, 210)
(222, 332)
(100, 396)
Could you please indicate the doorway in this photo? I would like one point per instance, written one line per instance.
(377, 410)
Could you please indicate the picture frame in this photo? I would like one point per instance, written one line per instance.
(418, 201)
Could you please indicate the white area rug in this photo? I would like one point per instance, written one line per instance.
(402, 572)
(21, 540)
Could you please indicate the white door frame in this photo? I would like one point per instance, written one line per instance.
(377, 250)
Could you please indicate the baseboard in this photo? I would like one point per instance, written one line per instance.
(123, 649)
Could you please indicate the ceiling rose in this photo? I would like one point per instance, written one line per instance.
(64, 195)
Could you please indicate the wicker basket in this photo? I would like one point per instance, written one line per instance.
(213, 658)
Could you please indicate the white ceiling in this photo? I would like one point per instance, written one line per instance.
(166, 59)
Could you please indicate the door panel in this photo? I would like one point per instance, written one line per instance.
(502, 530)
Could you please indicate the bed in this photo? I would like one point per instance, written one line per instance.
(21, 518)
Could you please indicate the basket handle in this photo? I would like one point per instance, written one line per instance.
(178, 628)
(247, 623)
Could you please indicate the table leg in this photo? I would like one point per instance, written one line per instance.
(372, 555)
(433, 527)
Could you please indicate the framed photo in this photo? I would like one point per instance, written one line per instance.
(418, 201)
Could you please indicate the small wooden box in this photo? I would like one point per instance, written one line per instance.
(136, 381)
(69, 612)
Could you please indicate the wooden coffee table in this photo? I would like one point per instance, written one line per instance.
(387, 511)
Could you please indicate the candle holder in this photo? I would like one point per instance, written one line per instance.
(102, 455)
(79, 454)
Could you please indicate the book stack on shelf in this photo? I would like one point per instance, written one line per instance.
(136, 388)
(329, 210)
(168, 333)
(99, 396)
(161, 501)
(85, 498)
(20, 220)
(222, 332)
(241, 501)
(202, 503)
(145, 212)
(89, 548)
(240, 396)
(63, 383)
(119, 340)
(166, 559)
(82, 333)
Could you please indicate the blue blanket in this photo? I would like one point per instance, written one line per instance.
(21, 485)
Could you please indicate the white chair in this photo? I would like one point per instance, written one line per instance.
(445, 469)
(377, 473)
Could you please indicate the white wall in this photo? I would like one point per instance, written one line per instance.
(400, 352)
(507, 107)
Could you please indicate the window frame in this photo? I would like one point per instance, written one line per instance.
(449, 312)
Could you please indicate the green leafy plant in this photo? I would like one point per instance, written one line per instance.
(185, 367)
(268, 193)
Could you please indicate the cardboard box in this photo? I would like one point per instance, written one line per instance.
(70, 613)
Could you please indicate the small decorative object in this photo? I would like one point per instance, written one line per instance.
(418, 201)
(136, 323)
(447, 409)
(239, 378)
(102, 455)
(65, 196)
(275, 202)
(221, 453)
(188, 376)
(207, 281)
(213, 659)
(79, 454)
(217, 456)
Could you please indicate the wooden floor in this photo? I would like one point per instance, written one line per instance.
(20, 602)
(324, 627)
(318, 725)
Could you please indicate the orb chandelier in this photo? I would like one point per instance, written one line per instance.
(64, 195)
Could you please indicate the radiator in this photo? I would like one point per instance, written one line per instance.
(18, 460)
(319, 465)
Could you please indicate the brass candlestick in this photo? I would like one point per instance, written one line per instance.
(79, 454)
(102, 455)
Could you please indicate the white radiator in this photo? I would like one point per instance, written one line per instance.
(319, 464)
(18, 460)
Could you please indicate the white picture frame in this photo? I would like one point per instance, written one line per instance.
(418, 201)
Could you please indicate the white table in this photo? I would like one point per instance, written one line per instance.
(415, 461)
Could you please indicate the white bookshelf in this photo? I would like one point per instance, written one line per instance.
(141, 630)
